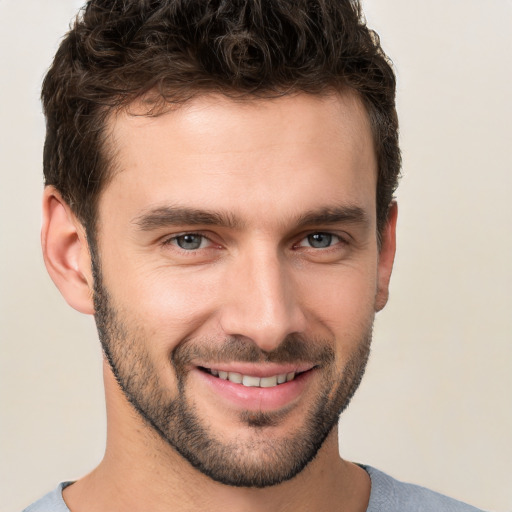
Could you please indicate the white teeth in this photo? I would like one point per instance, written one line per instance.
(250, 381)
(268, 382)
(235, 377)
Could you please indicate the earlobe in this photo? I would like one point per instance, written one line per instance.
(386, 258)
(66, 253)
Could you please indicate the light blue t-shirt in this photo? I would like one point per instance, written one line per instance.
(387, 495)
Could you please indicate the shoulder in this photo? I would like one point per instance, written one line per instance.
(388, 494)
(51, 502)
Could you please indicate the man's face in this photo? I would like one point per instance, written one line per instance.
(238, 276)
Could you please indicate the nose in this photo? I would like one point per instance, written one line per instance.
(262, 300)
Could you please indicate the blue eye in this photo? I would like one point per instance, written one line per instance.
(190, 241)
(320, 240)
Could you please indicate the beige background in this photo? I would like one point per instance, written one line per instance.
(436, 405)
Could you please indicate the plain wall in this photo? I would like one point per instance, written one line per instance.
(435, 407)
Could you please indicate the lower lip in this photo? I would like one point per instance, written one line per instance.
(256, 398)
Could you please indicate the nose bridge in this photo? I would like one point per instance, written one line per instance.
(262, 302)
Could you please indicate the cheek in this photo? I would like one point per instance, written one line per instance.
(343, 302)
(168, 304)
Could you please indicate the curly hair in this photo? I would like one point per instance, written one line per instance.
(120, 50)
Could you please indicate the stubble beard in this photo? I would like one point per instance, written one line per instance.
(264, 460)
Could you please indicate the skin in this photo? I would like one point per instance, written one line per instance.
(265, 163)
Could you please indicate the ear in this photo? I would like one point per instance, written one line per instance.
(66, 252)
(386, 258)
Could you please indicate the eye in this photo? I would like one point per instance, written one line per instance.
(189, 241)
(320, 240)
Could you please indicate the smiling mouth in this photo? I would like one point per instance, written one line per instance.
(253, 381)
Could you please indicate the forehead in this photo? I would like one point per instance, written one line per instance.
(278, 155)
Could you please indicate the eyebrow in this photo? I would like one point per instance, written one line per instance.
(335, 215)
(165, 216)
(179, 216)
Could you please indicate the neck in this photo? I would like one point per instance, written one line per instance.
(142, 472)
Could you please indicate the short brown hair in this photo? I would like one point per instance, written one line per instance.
(119, 50)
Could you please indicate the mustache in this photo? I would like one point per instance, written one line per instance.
(295, 348)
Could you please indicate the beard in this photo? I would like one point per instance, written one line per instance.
(261, 459)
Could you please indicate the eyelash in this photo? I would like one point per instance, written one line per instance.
(330, 236)
(338, 240)
(173, 241)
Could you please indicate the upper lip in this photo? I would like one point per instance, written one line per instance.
(258, 369)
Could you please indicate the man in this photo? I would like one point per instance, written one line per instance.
(219, 194)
